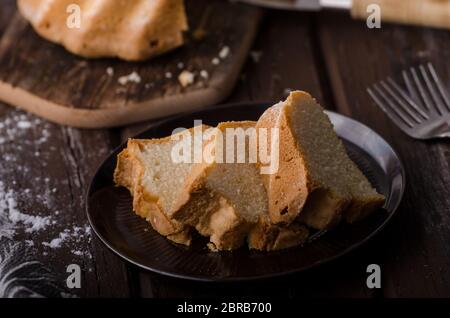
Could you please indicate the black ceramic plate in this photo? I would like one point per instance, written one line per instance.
(110, 212)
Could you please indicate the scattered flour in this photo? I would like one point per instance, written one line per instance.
(18, 219)
(24, 124)
(77, 253)
(17, 125)
(72, 237)
(57, 242)
(11, 218)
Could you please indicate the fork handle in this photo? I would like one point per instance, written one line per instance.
(432, 13)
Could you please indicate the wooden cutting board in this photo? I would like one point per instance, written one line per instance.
(43, 78)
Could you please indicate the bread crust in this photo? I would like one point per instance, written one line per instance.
(211, 213)
(285, 202)
(129, 172)
(291, 186)
(293, 192)
(213, 216)
(297, 195)
(130, 30)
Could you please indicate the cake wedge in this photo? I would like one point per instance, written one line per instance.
(224, 196)
(147, 169)
(316, 183)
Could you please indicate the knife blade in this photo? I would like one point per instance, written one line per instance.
(302, 5)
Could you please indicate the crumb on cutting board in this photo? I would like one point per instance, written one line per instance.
(255, 56)
(204, 74)
(186, 78)
(134, 77)
(224, 52)
(110, 71)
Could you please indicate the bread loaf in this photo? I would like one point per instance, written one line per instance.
(132, 30)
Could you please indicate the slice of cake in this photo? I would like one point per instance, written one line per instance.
(224, 196)
(131, 30)
(148, 170)
(316, 180)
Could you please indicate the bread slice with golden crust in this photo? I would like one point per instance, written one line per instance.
(131, 30)
(316, 180)
(224, 195)
(223, 200)
(148, 170)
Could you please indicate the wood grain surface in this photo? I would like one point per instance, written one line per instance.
(43, 78)
(414, 251)
(327, 54)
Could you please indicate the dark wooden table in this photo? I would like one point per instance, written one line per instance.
(46, 168)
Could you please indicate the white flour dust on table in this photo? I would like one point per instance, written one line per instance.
(33, 217)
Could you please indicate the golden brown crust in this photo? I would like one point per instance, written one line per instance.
(285, 202)
(297, 197)
(128, 173)
(294, 193)
(212, 214)
(352, 207)
(123, 174)
(112, 29)
(324, 216)
(184, 237)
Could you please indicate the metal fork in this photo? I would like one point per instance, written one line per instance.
(424, 111)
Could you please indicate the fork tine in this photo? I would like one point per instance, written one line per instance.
(438, 103)
(422, 111)
(391, 111)
(438, 83)
(407, 98)
(412, 90)
(425, 98)
(403, 106)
